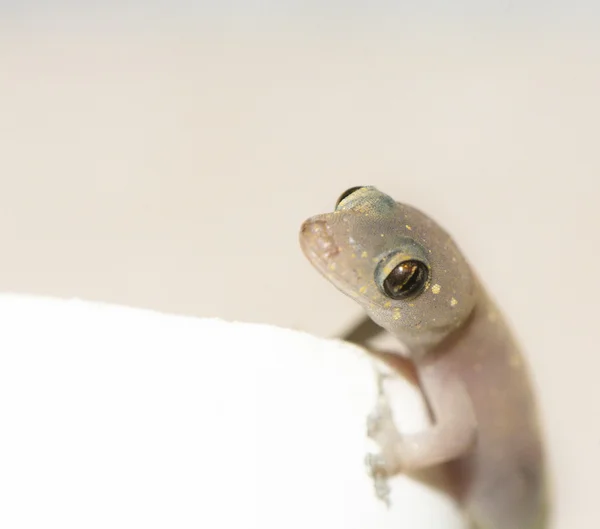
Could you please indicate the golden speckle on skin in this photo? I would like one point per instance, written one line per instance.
(435, 289)
(397, 314)
(364, 254)
(453, 302)
(408, 227)
(362, 289)
(387, 269)
(387, 304)
(332, 266)
(353, 256)
(383, 234)
(515, 361)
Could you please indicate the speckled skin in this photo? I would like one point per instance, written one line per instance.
(472, 374)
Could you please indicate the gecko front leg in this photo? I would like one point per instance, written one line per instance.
(452, 435)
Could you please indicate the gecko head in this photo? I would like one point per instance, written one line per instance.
(402, 267)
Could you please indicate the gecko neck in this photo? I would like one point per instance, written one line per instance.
(481, 323)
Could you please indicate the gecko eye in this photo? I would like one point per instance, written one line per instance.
(347, 193)
(406, 280)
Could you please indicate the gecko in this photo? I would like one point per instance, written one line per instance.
(413, 281)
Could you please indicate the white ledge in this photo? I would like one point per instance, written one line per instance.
(118, 417)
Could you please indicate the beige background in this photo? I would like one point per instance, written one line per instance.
(171, 168)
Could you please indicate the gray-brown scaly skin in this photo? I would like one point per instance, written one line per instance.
(485, 424)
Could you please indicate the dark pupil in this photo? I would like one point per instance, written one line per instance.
(347, 193)
(406, 280)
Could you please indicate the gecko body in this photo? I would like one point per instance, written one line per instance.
(412, 280)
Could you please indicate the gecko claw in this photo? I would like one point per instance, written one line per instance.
(377, 470)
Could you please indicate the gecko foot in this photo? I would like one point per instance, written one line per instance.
(381, 428)
(376, 470)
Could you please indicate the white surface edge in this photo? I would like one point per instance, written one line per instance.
(120, 417)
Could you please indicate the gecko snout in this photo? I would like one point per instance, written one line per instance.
(316, 238)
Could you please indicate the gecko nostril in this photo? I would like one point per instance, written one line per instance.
(317, 234)
(307, 226)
